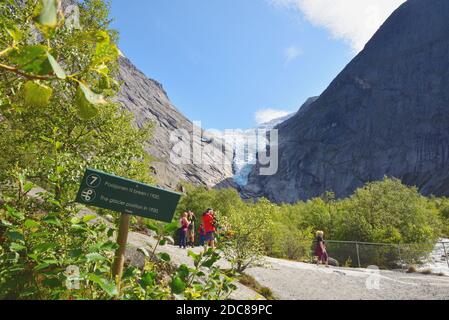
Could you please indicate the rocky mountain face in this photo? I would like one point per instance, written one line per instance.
(386, 114)
(148, 101)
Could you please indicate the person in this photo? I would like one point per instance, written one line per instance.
(209, 228)
(202, 233)
(183, 231)
(320, 250)
(191, 231)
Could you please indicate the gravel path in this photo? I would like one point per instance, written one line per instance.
(291, 280)
(179, 256)
(299, 281)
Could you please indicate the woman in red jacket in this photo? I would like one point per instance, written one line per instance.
(209, 227)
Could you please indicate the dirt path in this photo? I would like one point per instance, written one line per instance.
(298, 281)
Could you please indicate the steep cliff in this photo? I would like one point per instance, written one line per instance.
(148, 101)
(386, 114)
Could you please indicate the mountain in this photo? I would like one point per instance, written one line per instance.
(148, 101)
(385, 114)
(275, 122)
(242, 162)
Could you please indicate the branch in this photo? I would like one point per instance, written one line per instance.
(25, 75)
(6, 51)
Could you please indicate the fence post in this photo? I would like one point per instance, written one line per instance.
(445, 254)
(400, 257)
(358, 254)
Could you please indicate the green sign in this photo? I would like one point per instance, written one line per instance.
(102, 190)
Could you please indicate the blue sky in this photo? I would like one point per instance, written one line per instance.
(225, 62)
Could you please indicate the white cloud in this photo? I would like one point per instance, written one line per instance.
(291, 53)
(354, 21)
(266, 115)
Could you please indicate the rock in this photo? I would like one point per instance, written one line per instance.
(333, 262)
(148, 101)
(170, 241)
(135, 257)
(386, 114)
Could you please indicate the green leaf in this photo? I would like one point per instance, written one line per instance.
(27, 187)
(37, 95)
(94, 257)
(59, 72)
(86, 102)
(43, 247)
(108, 286)
(15, 235)
(152, 226)
(15, 214)
(164, 256)
(171, 227)
(210, 262)
(41, 266)
(17, 247)
(52, 221)
(90, 96)
(163, 242)
(15, 33)
(47, 13)
(6, 223)
(32, 59)
(89, 217)
(75, 253)
(30, 224)
(52, 283)
(148, 279)
(177, 285)
(183, 271)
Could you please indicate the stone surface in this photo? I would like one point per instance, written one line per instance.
(386, 114)
(148, 101)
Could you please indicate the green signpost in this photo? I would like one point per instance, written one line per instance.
(106, 191)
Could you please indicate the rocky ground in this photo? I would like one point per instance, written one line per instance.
(299, 281)
(290, 280)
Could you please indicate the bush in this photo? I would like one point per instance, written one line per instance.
(385, 212)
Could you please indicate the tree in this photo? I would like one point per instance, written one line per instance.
(56, 84)
(389, 212)
(245, 233)
(56, 120)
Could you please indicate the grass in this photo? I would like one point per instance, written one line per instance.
(250, 282)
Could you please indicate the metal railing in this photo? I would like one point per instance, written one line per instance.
(389, 256)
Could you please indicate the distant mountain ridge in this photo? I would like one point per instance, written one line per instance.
(385, 114)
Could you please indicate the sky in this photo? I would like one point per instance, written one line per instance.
(234, 64)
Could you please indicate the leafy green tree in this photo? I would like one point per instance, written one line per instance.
(387, 212)
(245, 233)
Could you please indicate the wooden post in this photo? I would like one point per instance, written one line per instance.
(445, 253)
(358, 254)
(122, 239)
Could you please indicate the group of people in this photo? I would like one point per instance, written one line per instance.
(206, 229)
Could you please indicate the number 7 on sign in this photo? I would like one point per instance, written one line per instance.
(93, 181)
